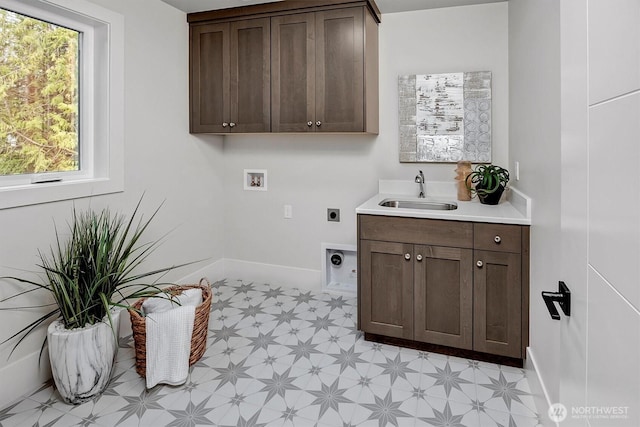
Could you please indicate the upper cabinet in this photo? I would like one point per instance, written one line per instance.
(313, 68)
(230, 77)
(317, 65)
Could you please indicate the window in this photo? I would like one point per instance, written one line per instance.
(39, 95)
(61, 92)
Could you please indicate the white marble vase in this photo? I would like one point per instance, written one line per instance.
(82, 359)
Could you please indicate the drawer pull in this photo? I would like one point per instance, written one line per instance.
(407, 256)
(318, 123)
(309, 123)
(480, 264)
(232, 125)
(497, 239)
(225, 124)
(419, 257)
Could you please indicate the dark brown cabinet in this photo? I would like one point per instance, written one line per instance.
(447, 283)
(387, 280)
(230, 77)
(293, 73)
(318, 73)
(500, 285)
(497, 304)
(443, 296)
(313, 71)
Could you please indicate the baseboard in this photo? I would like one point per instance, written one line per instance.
(23, 376)
(280, 275)
(538, 389)
(214, 271)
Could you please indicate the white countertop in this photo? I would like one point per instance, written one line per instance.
(514, 208)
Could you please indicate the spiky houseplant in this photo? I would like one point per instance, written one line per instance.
(93, 270)
(488, 182)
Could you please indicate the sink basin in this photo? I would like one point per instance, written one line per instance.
(418, 204)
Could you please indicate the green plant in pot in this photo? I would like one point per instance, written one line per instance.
(90, 275)
(488, 182)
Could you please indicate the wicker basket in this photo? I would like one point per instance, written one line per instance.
(200, 326)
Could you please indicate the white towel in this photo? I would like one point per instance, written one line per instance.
(169, 338)
(191, 296)
(169, 345)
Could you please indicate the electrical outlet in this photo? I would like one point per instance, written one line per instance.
(333, 215)
(517, 171)
(288, 211)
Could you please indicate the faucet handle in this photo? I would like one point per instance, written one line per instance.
(420, 180)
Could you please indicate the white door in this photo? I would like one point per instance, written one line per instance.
(600, 347)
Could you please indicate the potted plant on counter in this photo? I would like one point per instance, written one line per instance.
(90, 275)
(488, 182)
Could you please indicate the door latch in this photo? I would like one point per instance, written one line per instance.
(562, 297)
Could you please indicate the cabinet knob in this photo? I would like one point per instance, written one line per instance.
(497, 239)
(232, 125)
(419, 257)
(479, 264)
(225, 124)
(309, 123)
(407, 256)
(318, 123)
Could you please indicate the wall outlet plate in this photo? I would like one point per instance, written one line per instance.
(333, 215)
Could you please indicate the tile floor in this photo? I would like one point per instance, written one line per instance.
(284, 357)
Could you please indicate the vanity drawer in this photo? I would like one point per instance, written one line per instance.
(497, 237)
(416, 230)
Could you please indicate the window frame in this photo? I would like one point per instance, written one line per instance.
(101, 97)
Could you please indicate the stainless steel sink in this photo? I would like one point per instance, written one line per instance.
(418, 204)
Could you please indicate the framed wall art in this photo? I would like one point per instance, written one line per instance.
(445, 117)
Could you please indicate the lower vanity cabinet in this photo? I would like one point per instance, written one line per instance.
(387, 288)
(497, 304)
(501, 289)
(443, 296)
(456, 284)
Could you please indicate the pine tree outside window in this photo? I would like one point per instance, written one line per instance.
(38, 96)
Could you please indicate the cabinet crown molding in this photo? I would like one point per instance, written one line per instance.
(280, 8)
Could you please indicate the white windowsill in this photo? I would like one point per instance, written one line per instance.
(32, 194)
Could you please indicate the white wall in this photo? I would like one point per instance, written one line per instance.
(316, 172)
(534, 135)
(162, 159)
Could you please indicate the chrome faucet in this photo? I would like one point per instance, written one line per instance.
(420, 180)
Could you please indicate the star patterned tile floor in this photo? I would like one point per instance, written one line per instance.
(283, 357)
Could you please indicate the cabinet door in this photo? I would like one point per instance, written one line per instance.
(340, 70)
(443, 296)
(293, 73)
(250, 87)
(497, 303)
(386, 288)
(209, 83)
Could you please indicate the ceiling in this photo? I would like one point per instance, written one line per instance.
(386, 6)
